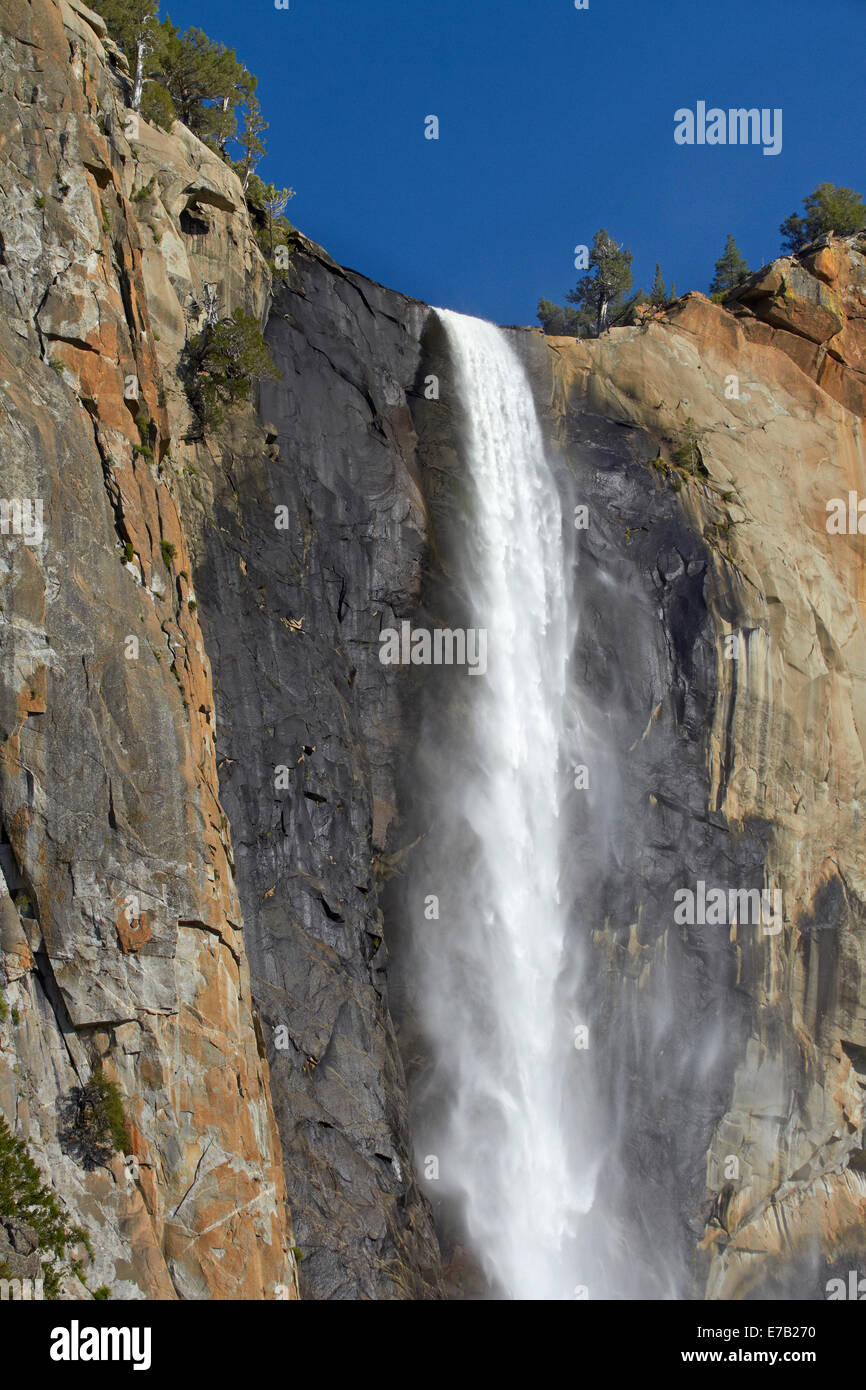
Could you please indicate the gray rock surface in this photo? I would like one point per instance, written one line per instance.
(310, 729)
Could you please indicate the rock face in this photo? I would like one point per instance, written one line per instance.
(124, 766)
(121, 926)
(316, 546)
(206, 775)
(744, 1074)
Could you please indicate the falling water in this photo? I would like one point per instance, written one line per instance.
(506, 1145)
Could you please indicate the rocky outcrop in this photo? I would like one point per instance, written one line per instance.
(737, 644)
(813, 307)
(121, 926)
(19, 1251)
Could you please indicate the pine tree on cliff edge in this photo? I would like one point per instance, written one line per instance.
(828, 209)
(602, 298)
(658, 293)
(135, 28)
(731, 269)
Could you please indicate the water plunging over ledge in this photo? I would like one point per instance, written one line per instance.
(492, 966)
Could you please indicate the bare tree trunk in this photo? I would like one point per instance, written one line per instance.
(222, 140)
(138, 84)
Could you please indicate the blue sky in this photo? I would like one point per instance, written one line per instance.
(553, 122)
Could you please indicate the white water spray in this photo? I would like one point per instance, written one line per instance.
(505, 1139)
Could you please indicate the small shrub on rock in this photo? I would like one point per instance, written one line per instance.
(221, 363)
(95, 1127)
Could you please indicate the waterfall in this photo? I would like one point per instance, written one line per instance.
(510, 1154)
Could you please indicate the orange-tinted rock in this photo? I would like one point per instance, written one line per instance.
(777, 414)
(118, 853)
(814, 309)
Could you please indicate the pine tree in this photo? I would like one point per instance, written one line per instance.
(658, 293)
(250, 139)
(602, 295)
(232, 89)
(157, 106)
(274, 201)
(559, 321)
(192, 69)
(25, 1198)
(731, 269)
(180, 75)
(828, 209)
(220, 364)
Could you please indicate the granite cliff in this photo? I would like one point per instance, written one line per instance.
(122, 929)
(743, 762)
(207, 803)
